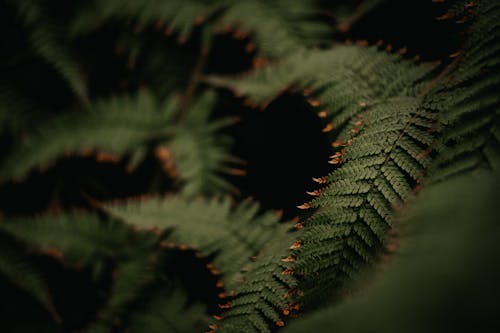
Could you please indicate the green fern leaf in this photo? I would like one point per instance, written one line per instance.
(280, 27)
(469, 101)
(422, 286)
(22, 272)
(213, 227)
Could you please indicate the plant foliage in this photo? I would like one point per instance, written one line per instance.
(135, 87)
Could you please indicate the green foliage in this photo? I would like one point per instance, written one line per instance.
(280, 27)
(235, 234)
(469, 101)
(425, 287)
(394, 125)
(18, 268)
(47, 40)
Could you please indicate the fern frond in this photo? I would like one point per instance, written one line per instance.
(213, 227)
(376, 100)
(127, 126)
(420, 289)
(117, 126)
(21, 271)
(85, 241)
(469, 101)
(342, 80)
(167, 311)
(199, 152)
(48, 41)
(279, 26)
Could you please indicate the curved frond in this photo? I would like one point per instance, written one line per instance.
(422, 287)
(279, 27)
(235, 234)
(469, 101)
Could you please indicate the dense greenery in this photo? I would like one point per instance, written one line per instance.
(123, 208)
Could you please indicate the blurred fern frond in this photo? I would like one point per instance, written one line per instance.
(279, 27)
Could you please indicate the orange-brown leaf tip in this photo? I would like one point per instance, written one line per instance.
(295, 219)
(169, 30)
(320, 180)
(138, 28)
(107, 157)
(213, 326)
(299, 225)
(225, 306)
(159, 25)
(250, 47)
(278, 212)
(280, 323)
(217, 317)
(300, 292)
(219, 284)
(379, 43)
(296, 306)
(162, 153)
(237, 172)
(313, 102)
(182, 39)
(240, 34)
(343, 27)
(362, 104)
(288, 259)
(355, 130)
(183, 247)
(289, 293)
(209, 266)
(388, 48)
(53, 252)
(456, 54)
(199, 19)
(327, 128)
(470, 4)
(403, 50)
(286, 312)
(307, 92)
(222, 295)
(167, 245)
(362, 42)
(335, 161)
(304, 206)
(446, 16)
(296, 245)
(259, 62)
(337, 143)
(215, 271)
(322, 114)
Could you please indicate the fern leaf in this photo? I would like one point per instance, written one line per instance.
(279, 27)
(118, 126)
(199, 152)
(85, 241)
(444, 233)
(22, 271)
(167, 311)
(376, 101)
(469, 101)
(345, 79)
(213, 227)
(128, 126)
(48, 42)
